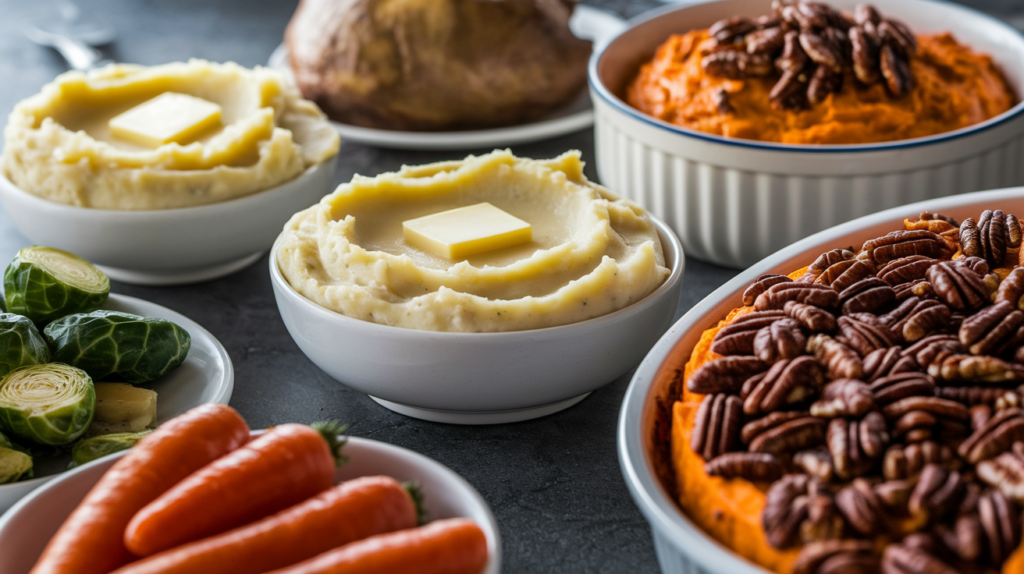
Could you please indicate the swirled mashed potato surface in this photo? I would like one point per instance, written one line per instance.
(58, 144)
(591, 254)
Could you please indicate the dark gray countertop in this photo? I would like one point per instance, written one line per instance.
(554, 483)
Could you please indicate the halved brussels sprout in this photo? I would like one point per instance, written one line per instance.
(110, 345)
(14, 465)
(48, 404)
(89, 449)
(20, 343)
(43, 284)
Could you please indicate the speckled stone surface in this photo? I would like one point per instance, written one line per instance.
(554, 484)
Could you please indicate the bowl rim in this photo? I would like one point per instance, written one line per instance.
(387, 449)
(648, 493)
(604, 94)
(666, 235)
(210, 209)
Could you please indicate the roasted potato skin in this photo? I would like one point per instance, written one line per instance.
(431, 65)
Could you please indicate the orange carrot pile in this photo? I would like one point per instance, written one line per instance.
(197, 496)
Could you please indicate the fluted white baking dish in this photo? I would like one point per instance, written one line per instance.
(682, 547)
(733, 201)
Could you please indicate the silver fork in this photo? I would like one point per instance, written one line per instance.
(72, 38)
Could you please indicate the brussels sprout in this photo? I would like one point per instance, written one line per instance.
(14, 465)
(49, 404)
(43, 284)
(89, 449)
(20, 343)
(110, 345)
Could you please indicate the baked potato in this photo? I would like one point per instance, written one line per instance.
(436, 64)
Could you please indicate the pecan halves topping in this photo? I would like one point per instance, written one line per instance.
(725, 375)
(898, 244)
(892, 388)
(934, 348)
(821, 51)
(864, 333)
(799, 509)
(790, 92)
(737, 338)
(993, 329)
(976, 369)
(716, 428)
(837, 557)
(996, 436)
(881, 363)
(1001, 522)
(814, 319)
(895, 71)
(844, 398)
(901, 559)
(843, 273)
(790, 436)
(752, 466)
(938, 492)
(862, 508)
(917, 318)
(840, 361)
(728, 29)
(788, 382)
(990, 237)
(866, 296)
(761, 284)
(736, 65)
(1005, 473)
(972, 396)
(907, 461)
(864, 54)
(810, 293)
(838, 258)
(958, 286)
(855, 445)
(815, 462)
(1011, 289)
(783, 339)
(768, 40)
(906, 269)
(793, 58)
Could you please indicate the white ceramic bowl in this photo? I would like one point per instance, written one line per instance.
(735, 201)
(168, 246)
(206, 376)
(26, 528)
(480, 378)
(682, 547)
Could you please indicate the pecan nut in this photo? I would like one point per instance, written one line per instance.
(993, 329)
(728, 29)
(862, 508)
(798, 509)
(844, 398)
(917, 318)
(761, 285)
(895, 71)
(866, 296)
(793, 58)
(907, 461)
(716, 427)
(855, 445)
(898, 244)
(864, 55)
(938, 492)
(766, 40)
(990, 237)
(837, 556)
(752, 466)
(1011, 289)
(1001, 523)
(995, 437)
(892, 388)
(906, 269)
(840, 361)
(864, 333)
(978, 369)
(790, 92)
(724, 375)
(810, 293)
(737, 338)
(783, 339)
(788, 382)
(1004, 473)
(814, 319)
(816, 462)
(901, 559)
(790, 436)
(958, 286)
(882, 363)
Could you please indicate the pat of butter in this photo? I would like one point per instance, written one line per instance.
(169, 117)
(460, 233)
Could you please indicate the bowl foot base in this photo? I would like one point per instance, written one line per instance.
(179, 276)
(479, 418)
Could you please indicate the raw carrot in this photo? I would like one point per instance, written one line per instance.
(91, 540)
(453, 546)
(287, 465)
(351, 511)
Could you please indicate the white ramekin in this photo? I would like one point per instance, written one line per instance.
(25, 530)
(168, 246)
(733, 202)
(480, 378)
(682, 547)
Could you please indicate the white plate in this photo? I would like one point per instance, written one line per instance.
(25, 530)
(206, 376)
(586, 22)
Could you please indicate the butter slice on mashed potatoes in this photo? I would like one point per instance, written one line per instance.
(591, 253)
(58, 144)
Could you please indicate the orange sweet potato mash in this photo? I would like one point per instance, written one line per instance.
(730, 509)
(954, 88)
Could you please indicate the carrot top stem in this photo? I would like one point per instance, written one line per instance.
(331, 431)
(415, 492)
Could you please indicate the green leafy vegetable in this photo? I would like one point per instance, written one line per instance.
(110, 345)
(14, 465)
(90, 449)
(20, 343)
(49, 404)
(43, 284)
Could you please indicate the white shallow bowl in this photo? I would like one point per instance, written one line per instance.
(735, 201)
(168, 246)
(682, 547)
(25, 530)
(480, 378)
(206, 376)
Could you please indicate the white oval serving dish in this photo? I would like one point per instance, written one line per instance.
(25, 530)
(206, 376)
(681, 546)
(168, 246)
(481, 378)
(733, 202)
